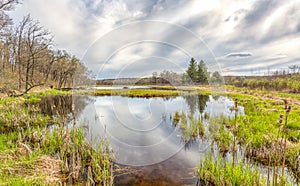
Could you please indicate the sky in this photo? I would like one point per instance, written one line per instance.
(134, 38)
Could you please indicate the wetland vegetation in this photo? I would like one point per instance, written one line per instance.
(38, 147)
(248, 135)
(260, 144)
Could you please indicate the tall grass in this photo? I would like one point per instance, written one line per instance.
(31, 153)
(220, 172)
(78, 158)
(14, 116)
(191, 127)
(268, 140)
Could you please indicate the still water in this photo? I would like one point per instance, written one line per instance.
(145, 143)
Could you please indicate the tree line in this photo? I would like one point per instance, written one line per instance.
(196, 73)
(28, 57)
(284, 82)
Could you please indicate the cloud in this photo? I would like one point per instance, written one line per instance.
(268, 30)
(278, 56)
(236, 15)
(238, 54)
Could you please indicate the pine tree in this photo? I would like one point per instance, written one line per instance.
(192, 70)
(217, 78)
(202, 73)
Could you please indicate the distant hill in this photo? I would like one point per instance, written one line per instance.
(133, 81)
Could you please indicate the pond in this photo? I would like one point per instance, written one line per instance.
(148, 147)
(142, 135)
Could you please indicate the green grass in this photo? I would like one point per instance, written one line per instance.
(158, 91)
(262, 115)
(191, 127)
(260, 131)
(21, 124)
(51, 92)
(220, 172)
(72, 147)
(17, 181)
(19, 166)
(22, 157)
(15, 116)
(32, 154)
(137, 93)
(176, 118)
(224, 139)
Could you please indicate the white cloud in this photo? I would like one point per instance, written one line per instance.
(238, 54)
(268, 30)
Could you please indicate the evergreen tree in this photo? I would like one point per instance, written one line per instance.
(184, 78)
(202, 73)
(217, 78)
(192, 70)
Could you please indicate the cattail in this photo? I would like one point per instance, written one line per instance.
(73, 107)
(236, 104)
(285, 101)
(280, 118)
(288, 109)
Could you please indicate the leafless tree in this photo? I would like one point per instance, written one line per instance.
(28, 57)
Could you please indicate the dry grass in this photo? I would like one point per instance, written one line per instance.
(269, 151)
(33, 154)
(43, 167)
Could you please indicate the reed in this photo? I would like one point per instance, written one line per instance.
(219, 172)
(191, 127)
(31, 153)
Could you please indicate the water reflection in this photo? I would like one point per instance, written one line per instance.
(192, 103)
(141, 132)
(136, 129)
(202, 99)
(62, 106)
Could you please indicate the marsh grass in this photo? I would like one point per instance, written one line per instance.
(220, 134)
(31, 153)
(146, 93)
(220, 172)
(267, 140)
(223, 139)
(14, 116)
(58, 156)
(151, 92)
(176, 118)
(19, 113)
(79, 160)
(28, 149)
(190, 126)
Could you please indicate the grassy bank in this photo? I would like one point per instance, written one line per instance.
(269, 133)
(28, 147)
(270, 129)
(153, 91)
(32, 153)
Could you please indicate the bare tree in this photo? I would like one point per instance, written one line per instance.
(32, 42)
(65, 68)
(4, 18)
(28, 58)
(294, 68)
(8, 4)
